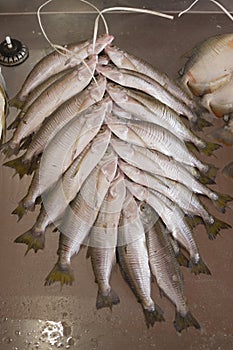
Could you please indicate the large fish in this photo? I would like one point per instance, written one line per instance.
(125, 60)
(165, 268)
(80, 216)
(154, 137)
(58, 198)
(173, 218)
(103, 241)
(134, 261)
(59, 118)
(56, 62)
(57, 93)
(210, 65)
(146, 84)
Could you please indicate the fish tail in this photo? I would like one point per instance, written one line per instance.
(191, 147)
(221, 202)
(181, 259)
(211, 172)
(16, 102)
(21, 167)
(209, 148)
(199, 124)
(107, 300)
(152, 316)
(228, 170)
(34, 240)
(205, 180)
(183, 322)
(199, 267)
(9, 148)
(213, 229)
(193, 221)
(60, 273)
(19, 210)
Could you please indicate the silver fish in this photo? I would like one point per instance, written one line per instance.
(173, 217)
(60, 91)
(125, 60)
(80, 216)
(154, 137)
(134, 263)
(166, 270)
(56, 62)
(103, 241)
(56, 200)
(144, 83)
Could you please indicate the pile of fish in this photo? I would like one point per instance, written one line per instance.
(208, 74)
(101, 132)
(3, 105)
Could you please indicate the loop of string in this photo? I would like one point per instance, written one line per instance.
(213, 1)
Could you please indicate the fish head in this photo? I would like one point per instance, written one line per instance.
(122, 148)
(103, 60)
(101, 42)
(109, 71)
(102, 138)
(115, 54)
(117, 92)
(97, 88)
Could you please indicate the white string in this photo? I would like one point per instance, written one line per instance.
(213, 1)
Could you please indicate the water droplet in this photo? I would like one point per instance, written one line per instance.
(17, 332)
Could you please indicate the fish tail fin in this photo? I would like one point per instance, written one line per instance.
(212, 171)
(9, 148)
(199, 124)
(19, 210)
(191, 147)
(60, 273)
(209, 148)
(20, 167)
(15, 102)
(228, 170)
(181, 259)
(34, 240)
(183, 322)
(199, 267)
(221, 202)
(205, 180)
(152, 316)
(213, 229)
(223, 135)
(193, 221)
(107, 300)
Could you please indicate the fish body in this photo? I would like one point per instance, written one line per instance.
(56, 62)
(173, 218)
(210, 65)
(80, 216)
(69, 142)
(134, 263)
(159, 164)
(103, 241)
(60, 91)
(166, 270)
(146, 84)
(56, 200)
(154, 137)
(151, 110)
(60, 117)
(125, 60)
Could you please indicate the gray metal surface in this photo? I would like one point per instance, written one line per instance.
(25, 304)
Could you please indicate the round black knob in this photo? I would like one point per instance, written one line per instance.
(12, 52)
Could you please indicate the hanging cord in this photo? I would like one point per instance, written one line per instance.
(215, 2)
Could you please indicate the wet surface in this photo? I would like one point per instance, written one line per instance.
(27, 307)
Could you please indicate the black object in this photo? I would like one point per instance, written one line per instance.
(12, 52)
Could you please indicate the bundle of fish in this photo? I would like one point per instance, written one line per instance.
(108, 152)
(208, 74)
(3, 105)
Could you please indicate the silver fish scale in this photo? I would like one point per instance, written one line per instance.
(106, 153)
